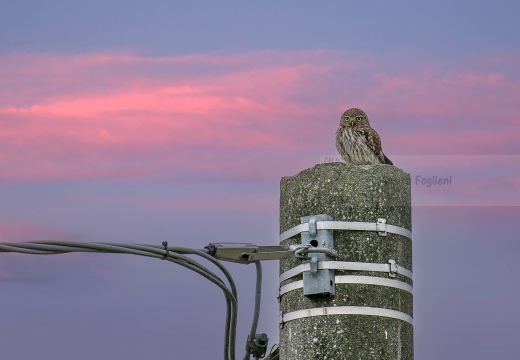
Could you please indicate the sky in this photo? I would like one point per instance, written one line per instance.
(142, 122)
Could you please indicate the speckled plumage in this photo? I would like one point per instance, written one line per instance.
(357, 142)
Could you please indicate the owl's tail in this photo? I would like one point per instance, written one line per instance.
(387, 161)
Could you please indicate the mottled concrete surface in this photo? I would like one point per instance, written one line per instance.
(350, 193)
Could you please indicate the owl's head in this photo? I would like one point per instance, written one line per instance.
(354, 117)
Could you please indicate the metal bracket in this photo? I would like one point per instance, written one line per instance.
(318, 282)
(246, 253)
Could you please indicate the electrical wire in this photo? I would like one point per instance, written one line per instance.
(258, 298)
(274, 353)
(170, 253)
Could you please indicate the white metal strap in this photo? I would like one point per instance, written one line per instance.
(345, 265)
(346, 310)
(354, 279)
(298, 229)
(346, 225)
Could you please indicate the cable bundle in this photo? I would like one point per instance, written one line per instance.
(165, 252)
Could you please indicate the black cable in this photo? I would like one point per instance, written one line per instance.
(230, 323)
(231, 315)
(168, 253)
(258, 298)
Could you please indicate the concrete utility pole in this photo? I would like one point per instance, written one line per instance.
(360, 304)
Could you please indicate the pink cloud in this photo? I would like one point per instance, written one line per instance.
(94, 116)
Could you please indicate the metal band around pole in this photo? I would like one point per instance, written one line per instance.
(354, 279)
(346, 310)
(346, 225)
(345, 265)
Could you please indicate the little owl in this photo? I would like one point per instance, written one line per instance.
(357, 142)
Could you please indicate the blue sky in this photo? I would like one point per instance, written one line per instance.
(441, 28)
(141, 122)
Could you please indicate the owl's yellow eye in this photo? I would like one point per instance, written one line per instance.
(359, 118)
(346, 118)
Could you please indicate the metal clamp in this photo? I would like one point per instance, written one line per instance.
(351, 266)
(246, 253)
(257, 346)
(393, 269)
(381, 226)
(319, 244)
